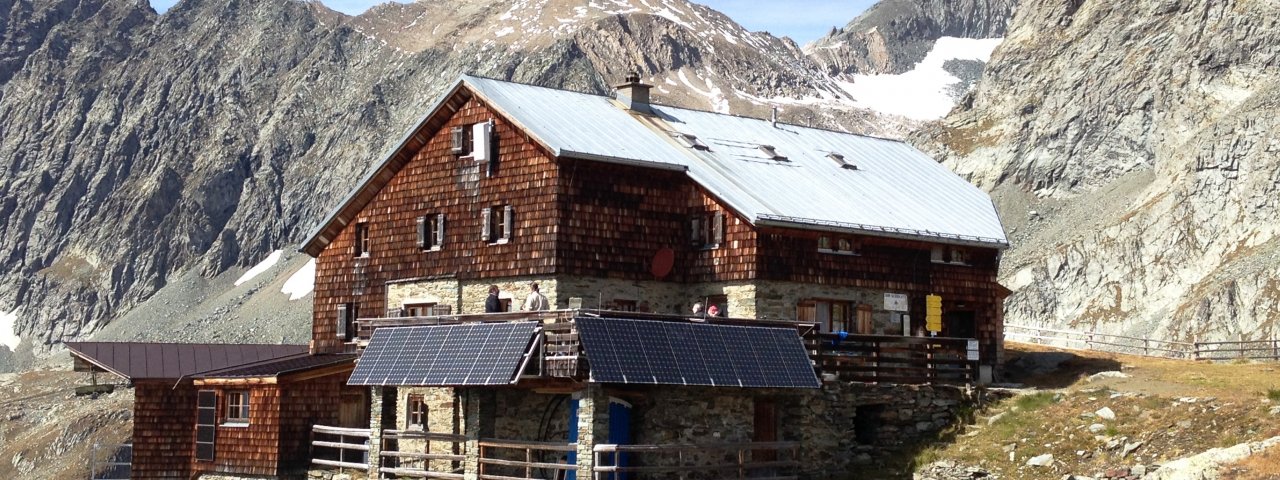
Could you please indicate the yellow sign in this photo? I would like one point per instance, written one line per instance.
(933, 313)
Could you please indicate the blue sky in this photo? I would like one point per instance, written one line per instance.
(802, 20)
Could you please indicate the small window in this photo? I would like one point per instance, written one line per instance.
(707, 230)
(839, 159)
(346, 322)
(624, 305)
(689, 141)
(950, 254)
(772, 153)
(431, 232)
(460, 141)
(237, 410)
(362, 240)
(840, 245)
(419, 309)
(498, 223)
(417, 412)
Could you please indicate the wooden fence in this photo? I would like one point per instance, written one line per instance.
(534, 460)
(749, 460)
(341, 447)
(1079, 340)
(411, 453)
(894, 359)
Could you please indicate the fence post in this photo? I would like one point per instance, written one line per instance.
(1195, 350)
(93, 455)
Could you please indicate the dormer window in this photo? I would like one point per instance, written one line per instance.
(772, 153)
(839, 245)
(950, 255)
(690, 141)
(840, 161)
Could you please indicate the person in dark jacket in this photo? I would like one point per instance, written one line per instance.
(492, 304)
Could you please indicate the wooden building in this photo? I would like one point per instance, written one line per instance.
(226, 409)
(614, 203)
(669, 229)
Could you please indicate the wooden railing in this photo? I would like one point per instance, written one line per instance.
(894, 359)
(1081, 340)
(351, 449)
(750, 460)
(399, 460)
(535, 464)
(366, 326)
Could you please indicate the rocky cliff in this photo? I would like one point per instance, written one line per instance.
(145, 151)
(894, 35)
(1135, 155)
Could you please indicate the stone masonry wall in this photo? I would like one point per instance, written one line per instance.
(779, 300)
(441, 418)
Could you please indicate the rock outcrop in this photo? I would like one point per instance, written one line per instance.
(894, 35)
(1135, 156)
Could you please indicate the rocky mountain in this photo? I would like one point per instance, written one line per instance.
(1135, 155)
(148, 157)
(894, 35)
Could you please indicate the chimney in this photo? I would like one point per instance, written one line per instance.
(773, 118)
(633, 94)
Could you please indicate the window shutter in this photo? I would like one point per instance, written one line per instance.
(484, 220)
(206, 423)
(422, 232)
(439, 230)
(508, 214)
(718, 228)
(459, 140)
(343, 318)
(695, 231)
(480, 134)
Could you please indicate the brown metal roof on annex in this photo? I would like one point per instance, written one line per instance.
(171, 361)
(280, 366)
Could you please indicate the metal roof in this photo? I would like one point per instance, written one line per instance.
(280, 366)
(171, 361)
(895, 190)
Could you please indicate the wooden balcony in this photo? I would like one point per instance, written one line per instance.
(863, 358)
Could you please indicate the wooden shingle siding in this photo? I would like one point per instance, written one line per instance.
(614, 218)
(247, 449)
(164, 418)
(303, 404)
(435, 181)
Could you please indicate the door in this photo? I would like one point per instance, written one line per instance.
(959, 324)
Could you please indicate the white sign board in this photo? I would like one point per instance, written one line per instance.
(895, 302)
(972, 351)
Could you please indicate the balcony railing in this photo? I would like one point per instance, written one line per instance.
(865, 358)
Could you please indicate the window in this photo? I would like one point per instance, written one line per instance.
(624, 305)
(346, 322)
(362, 240)
(460, 141)
(839, 159)
(498, 223)
(237, 407)
(417, 412)
(707, 230)
(419, 309)
(431, 232)
(772, 153)
(206, 423)
(836, 315)
(689, 141)
(839, 245)
(950, 254)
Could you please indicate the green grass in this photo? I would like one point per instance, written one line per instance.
(1273, 394)
(1035, 401)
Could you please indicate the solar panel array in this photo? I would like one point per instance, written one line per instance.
(444, 355)
(677, 353)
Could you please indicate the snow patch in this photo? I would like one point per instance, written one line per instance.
(260, 267)
(504, 32)
(8, 329)
(921, 93)
(302, 282)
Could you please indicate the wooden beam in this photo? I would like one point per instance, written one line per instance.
(236, 381)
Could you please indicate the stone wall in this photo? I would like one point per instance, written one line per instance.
(779, 299)
(441, 418)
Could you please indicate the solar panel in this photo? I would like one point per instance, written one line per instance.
(444, 355)
(677, 353)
